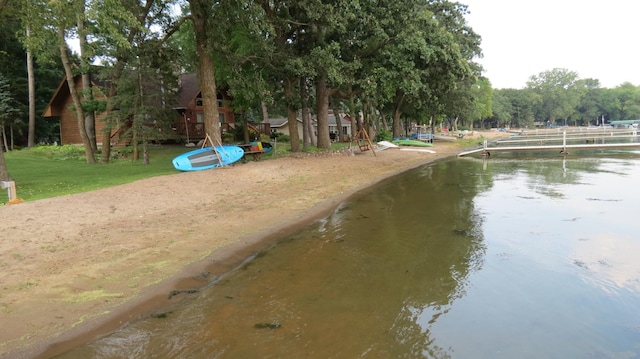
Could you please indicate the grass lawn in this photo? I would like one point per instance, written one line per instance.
(50, 171)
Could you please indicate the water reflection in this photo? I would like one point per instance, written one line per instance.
(459, 259)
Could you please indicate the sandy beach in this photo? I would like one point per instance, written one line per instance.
(75, 267)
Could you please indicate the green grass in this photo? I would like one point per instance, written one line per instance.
(46, 171)
(50, 171)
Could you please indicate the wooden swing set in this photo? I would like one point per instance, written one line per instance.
(363, 141)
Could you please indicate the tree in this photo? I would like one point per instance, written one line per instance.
(628, 101)
(430, 54)
(482, 95)
(559, 91)
(55, 22)
(589, 108)
(502, 109)
(7, 110)
(204, 32)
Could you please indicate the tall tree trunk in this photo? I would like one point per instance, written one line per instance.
(355, 116)
(292, 118)
(145, 151)
(105, 150)
(322, 108)
(265, 112)
(134, 144)
(245, 127)
(308, 136)
(5, 144)
(87, 91)
(32, 95)
(200, 13)
(385, 124)
(89, 116)
(397, 113)
(336, 113)
(64, 55)
(109, 123)
(4, 173)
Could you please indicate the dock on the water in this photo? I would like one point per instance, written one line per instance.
(560, 142)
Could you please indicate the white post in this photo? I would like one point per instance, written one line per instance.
(11, 188)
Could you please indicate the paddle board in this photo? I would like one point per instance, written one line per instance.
(383, 145)
(417, 150)
(205, 158)
(408, 142)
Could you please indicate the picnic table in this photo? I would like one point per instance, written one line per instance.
(253, 149)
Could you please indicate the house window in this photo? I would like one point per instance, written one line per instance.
(220, 102)
(221, 116)
(200, 117)
(344, 130)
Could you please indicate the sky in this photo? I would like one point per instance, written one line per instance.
(523, 38)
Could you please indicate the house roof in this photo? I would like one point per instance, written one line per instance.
(279, 122)
(189, 89)
(331, 118)
(62, 93)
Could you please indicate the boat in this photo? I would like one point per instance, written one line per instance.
(409, 142)
(208, 157)
(383, 145)
(426, 137)
(266, 146)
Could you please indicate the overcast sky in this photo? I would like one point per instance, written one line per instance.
(522, 38)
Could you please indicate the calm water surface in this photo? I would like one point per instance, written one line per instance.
(514, 257)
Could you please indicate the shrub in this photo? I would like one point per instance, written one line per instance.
(65, 152)
(384, 135)
(280, 137)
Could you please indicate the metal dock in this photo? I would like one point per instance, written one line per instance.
(594, 139)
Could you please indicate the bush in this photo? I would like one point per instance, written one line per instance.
(384, 135)
(65, 152)
(280, 137)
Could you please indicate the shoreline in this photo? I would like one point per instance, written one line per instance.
(140, 257)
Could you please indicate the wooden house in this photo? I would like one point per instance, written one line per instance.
(281, 125)
(189, 122)
(61, 106)
(343, 134)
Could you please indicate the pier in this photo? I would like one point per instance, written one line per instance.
(596, 138)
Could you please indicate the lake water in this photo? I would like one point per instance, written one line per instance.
(518, 256)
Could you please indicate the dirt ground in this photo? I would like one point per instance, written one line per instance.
(75, 267)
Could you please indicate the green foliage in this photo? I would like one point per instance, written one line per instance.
(383, 135)
(559, 91)
(57, 153)
(280, 137)
(8, 105)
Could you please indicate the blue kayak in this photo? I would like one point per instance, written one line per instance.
(206, 158)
